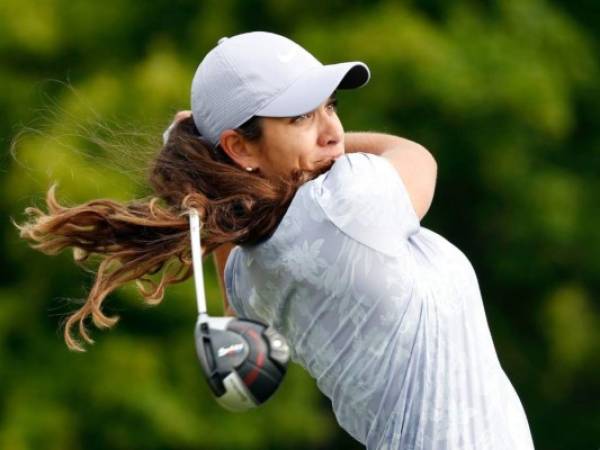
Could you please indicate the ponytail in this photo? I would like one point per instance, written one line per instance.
(144, 237)
(135, 240)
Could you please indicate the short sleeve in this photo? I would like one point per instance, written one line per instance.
(365, 197)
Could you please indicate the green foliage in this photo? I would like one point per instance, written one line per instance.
(505, 95)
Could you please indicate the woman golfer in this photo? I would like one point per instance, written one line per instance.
(385, 314)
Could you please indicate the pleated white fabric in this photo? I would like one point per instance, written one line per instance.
(385, 314)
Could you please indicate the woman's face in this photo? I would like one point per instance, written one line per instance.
(310, 141)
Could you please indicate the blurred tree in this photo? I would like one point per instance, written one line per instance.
(504, 93)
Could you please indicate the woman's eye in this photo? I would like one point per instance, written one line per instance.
(298, 118)
(333, 105)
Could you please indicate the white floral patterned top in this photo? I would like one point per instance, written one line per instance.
(386, 315)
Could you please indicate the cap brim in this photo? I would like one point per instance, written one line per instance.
(312, 88)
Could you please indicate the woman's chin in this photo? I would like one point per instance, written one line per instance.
(326, 165)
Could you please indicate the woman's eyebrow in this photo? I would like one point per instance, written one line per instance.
(332, 98)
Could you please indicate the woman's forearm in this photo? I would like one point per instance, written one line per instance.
(372, 142)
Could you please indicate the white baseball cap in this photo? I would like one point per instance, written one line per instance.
(263, 74)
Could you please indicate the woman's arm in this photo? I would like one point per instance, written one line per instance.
(415, 165)
(220, 255)
(372, 142)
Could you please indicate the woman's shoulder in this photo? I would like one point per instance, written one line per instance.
(361, 195)
(359, 177)
(353, 164)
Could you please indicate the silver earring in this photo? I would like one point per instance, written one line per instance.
(249, 169)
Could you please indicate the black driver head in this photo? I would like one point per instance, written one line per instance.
(244, 361)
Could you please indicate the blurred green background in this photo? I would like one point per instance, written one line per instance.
(505, 94)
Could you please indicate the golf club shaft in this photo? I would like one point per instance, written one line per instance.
(197, 261)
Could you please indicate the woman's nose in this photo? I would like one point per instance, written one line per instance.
(329, 132)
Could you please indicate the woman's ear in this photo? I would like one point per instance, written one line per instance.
(242, 152)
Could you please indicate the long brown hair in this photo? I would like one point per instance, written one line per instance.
(144, 236)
